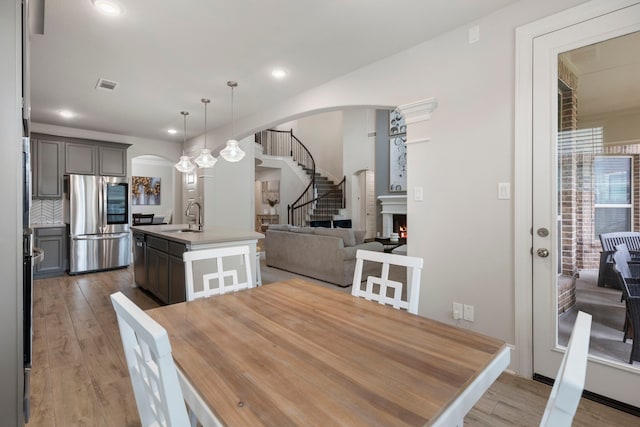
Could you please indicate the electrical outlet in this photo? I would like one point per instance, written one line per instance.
(457, 311)
(468, 313)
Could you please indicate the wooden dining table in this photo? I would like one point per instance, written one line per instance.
(297, 353)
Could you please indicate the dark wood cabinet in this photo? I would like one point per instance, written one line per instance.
(47, 167)
(53, 241)
(165, 269)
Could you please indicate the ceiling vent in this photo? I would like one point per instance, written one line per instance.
(104, 84)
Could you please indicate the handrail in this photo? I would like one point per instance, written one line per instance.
(284, 143)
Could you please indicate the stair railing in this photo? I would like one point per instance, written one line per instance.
(323, 206)
(284, 143)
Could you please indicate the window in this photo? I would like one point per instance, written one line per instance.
(613, 194)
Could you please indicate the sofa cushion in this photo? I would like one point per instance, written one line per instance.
(346, 234)
(303, 230)
(359, 235)
(279, 227)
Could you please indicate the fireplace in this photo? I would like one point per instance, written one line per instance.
(393, 206)
(400, 224)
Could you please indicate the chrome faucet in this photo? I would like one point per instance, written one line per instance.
(187, 212)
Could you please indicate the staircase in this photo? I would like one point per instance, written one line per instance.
(322, 199)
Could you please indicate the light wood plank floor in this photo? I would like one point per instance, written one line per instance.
(80, 378)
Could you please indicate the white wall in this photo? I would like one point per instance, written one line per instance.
(228, 190)
(358, 148)
(11, 374)
(322, 135)
(291, 184)
(462, 222)
(156, 167)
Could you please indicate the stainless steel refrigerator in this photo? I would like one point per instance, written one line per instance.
(99, 223)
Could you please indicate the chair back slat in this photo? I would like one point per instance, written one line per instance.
(151, 368)
(569, 383)
(376, 288)
(222, 270)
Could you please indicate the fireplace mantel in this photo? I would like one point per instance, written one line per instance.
(391, 204)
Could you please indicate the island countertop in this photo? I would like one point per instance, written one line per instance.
(209, 234)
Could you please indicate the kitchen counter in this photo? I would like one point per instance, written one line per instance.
(158, 265)
(208, 236)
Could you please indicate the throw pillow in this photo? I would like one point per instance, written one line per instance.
(346, 234)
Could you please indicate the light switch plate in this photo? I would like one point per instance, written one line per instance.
(474, 34)
(504, 191)
(418, 194)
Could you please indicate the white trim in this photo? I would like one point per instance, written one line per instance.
(418, 111)
(523, 223)
(417, 141)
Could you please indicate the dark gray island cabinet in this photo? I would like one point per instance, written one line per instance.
(157, 256)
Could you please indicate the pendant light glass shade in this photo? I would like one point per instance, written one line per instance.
(232, 152)
(205, 159)
(185, 164)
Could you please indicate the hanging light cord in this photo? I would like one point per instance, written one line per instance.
(232, 130)
(205, 102)
(184, 141)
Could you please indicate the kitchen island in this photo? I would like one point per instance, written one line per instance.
(158, 249)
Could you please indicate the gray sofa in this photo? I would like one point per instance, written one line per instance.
(327, 254)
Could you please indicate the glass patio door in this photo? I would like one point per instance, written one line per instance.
(583, 185)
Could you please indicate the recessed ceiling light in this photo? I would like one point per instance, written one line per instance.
(67, 114)
(108, 7)
(172, 131)
(279, 73)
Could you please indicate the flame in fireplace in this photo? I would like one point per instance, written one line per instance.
(403, 232)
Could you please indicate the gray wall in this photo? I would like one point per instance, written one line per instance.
(382, 154)
(11, 224)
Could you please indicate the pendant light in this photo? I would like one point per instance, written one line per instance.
(205, 159)
(185, 164)
(232, 152)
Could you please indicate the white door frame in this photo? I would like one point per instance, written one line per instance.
(523, 171)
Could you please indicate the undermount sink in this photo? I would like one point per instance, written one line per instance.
(184, 230)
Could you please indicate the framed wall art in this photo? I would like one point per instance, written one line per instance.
(145, 190)
(397, 164)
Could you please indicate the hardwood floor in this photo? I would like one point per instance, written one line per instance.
(80, 377)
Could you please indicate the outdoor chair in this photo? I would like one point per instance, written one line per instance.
(569, 383)
(631, 297)
(154, 376)
(376, 287)
(230, 267)
(609, 242)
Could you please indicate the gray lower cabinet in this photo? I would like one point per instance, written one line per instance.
(164, 270)
(53, 241)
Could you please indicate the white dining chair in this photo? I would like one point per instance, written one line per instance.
(222, 265)
(569, 383)
(375, 288)
(151, 367)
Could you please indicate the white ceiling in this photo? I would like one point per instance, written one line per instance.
(607, 75)
(167, 55)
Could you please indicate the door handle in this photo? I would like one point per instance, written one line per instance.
(543, 252)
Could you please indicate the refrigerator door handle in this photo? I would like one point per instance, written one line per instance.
(100, 236)
(103, 204)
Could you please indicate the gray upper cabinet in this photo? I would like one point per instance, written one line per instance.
(113, 161)
(80, 159)
(47, 168)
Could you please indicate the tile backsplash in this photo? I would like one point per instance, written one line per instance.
(47, 211)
